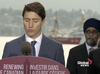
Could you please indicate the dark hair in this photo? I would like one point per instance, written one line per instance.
(35, 7)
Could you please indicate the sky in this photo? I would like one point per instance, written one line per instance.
(55, 4)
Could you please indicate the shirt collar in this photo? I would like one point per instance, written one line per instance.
(88, 47)
(38, 39)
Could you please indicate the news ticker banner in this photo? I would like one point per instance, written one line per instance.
(31, 65)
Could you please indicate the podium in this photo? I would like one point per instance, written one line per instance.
(31, 65)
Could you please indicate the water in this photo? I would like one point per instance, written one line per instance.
(3, 40)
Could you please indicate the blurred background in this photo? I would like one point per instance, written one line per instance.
(64, 20)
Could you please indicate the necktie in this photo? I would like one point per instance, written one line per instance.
(33, 48)
(91, 49)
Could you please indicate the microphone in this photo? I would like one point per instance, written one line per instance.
(26, 48)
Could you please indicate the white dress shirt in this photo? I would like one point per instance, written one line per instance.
(38, 42)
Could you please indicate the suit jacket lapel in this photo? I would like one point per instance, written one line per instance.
(22, 39)
(84, 52)
(44, 46)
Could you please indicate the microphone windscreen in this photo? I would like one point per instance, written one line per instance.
(26, 48)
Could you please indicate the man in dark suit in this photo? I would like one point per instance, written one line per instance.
(33, 20)
(77, 62)
(94, 63)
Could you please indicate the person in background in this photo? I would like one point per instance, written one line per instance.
(33, 19)
(94, 62)
(77, 61)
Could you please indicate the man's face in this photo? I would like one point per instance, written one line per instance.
(92, 35)
(32, 24)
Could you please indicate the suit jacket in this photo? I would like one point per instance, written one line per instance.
(77, 60)
(94, 56)
(48, 49)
